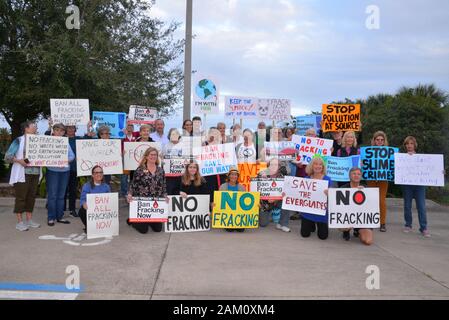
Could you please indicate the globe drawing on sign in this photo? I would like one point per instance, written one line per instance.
(205, 89)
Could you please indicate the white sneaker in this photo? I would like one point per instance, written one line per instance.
(32, 224)
(21, 226)
(278, 226)
(285, 229)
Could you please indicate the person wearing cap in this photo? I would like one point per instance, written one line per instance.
(232, 184)
(57, 179)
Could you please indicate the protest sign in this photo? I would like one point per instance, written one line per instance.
(116, 121)
(341, 117)
(215, 159)
(274, 109)
(134, 152)
(303, 123)
(143, 210)
(378, 163)
(205, 96)
(337, 168)
(354, 208)
(249, 170)
(107, 153)
(234, 210)
(305, 195)
(141, 115)
(282, 150)
(47, 151)
(70, 112)
(241, 107)
(174, 166)
(189, 143)
(419, 169)
(102, 215)
(269, 188)
(189, 214)
(307, 147)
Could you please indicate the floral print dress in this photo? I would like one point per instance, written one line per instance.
(148, 185)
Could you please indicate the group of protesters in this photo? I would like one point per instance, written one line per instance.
(149, 179)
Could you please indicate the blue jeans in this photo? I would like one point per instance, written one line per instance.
(56, 187)
(292, 169)
(124, 184)
(265, 217)
(419, 193)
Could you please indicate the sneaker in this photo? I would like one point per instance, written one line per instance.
(407, 229)
(63, 221)
(32, 224)
(346, 235)
(285, 229)
(74, 214)
(425, 233)
(51, 223)
(356, 233)
(383, 228)
(21, 226)
(278, 226)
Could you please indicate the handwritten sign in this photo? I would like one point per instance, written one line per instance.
(116, 121)
(215, 159)
(241, 107)
(269, 188)
(102, 215)
(304, 123)
(305, 195)
(107, 153)
(234, 210)
(134, 152)
(148, 210)
(338, 167)
(142, 115)
(341, 117)
(274, 109)
(308, 147)
(70, 112)
(205, 96)
(249, 170)
(378, 163)
(188, 215)
(354, 208)
(282, 150)
(419, 169)
(47, 151)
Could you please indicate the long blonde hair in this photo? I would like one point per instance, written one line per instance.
(143, 162)
(197, 179)
(343, 140)
(309, 168)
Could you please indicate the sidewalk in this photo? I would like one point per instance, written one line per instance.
(258, 264)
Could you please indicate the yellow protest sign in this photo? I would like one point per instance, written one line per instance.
(248, 170)
(234, 210)
(341, 117)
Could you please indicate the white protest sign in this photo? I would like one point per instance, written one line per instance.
(189, 214)
(174, 167)
(274, 109)
(282, 150)
(107, 153)
(305, 195)
(419, 169)
(269, 188)
(241, 107)
(205, 96)
(148, 210)
(102, 215)
(70, 112)
(307, 147)
(354, 208)
(47, 151)
(134, 152)
(189, 143)
(142, 115)
(215, 159)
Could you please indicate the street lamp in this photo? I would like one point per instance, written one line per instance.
(188, 61)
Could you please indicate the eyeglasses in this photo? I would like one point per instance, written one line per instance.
(380, 139)
(107, 133)
(98, 172)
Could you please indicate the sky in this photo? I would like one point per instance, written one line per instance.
(313, 51)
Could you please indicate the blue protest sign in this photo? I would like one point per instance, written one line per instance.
(378, 163)
(338, 168)
(303, 123)
(116, 121)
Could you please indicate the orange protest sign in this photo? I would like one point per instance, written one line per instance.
(249, 170)
(341, 117)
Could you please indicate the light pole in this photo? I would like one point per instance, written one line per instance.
(188, 61)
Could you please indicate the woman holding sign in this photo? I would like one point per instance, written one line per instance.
(148, 182)
(232, 184)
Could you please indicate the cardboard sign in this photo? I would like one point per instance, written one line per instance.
(241, 107)
(188, 144)
(107, 153)
(116, 121)
(215, 159)
(47, 151)
(269, 188)
(188, 215)
(234, 210)
(282, 150)
(142, 115)
(102, 215)
(304, 123)
(419, 169)
(305, 195)
(134, 152)
(341, 117)
(249, 170)
(378, 163)
(205, 96)
(70, 112)
(174, 167)
(354, 208)
(274, 109)
(308, 147)
(337, 168)
(144, 210)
